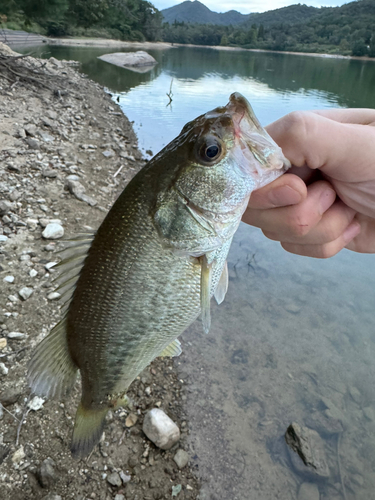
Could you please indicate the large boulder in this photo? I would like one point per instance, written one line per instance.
(131, 60)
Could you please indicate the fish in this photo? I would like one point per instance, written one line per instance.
(131, 288)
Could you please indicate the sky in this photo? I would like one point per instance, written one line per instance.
(245, 7)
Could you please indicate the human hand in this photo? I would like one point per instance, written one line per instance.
(327, 200)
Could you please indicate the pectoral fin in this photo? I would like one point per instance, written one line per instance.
(222, 286)
(205, 293)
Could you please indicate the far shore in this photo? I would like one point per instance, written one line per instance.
(103, 42)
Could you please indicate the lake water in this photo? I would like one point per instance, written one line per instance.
(294, 340)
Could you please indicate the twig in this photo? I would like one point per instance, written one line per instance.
(170, 94)
(339, 464)
(122, 437)
(13, 353)
(11, 414)
(118, 171)
(24, 415)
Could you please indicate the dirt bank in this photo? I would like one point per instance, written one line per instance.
(54, 124)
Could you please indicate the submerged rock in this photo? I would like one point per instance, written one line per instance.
(307, 451)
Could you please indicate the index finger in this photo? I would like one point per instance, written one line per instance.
(311, 139)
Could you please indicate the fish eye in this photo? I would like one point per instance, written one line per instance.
(210, 150)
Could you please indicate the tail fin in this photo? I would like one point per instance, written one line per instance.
(88, 428)
(51, 371)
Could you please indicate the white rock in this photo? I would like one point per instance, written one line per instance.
(18, 455)
(49, 265)
(33, 273)
(53, 296)
(138, 58)
(53, 231)
(25, 292)
(3, 238)
(9, 279)
(16, 335)
(181, 458)
(3, 369)
(160, 429)
(36, 403)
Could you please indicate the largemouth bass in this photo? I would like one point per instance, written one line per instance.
(154, 263)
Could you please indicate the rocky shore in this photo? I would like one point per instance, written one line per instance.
(66, 152)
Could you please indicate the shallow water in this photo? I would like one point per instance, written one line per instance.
(294, 340)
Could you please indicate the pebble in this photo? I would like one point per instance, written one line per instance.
(5, 207)
(308, 491)
(25, 292)
(52, 496)
(114, 479)
(18, 455)
(53, 231)
(9, 279)
(36, 403)
(160, 429)
(53, 296)
(181, 458)
(3, 343)
(108, 153)
(47, 473)
(124, 477)
(355, 394)
(3, 369)
(3, 238)
(131, 420)
(119, 497)
(16, 335)
(9, 397)
(33, 273)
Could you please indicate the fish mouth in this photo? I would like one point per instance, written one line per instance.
(255, 143)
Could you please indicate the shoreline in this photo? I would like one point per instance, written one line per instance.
(103, 42)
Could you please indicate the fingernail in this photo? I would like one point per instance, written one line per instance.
(327, 198)
(351, 231)
(283, 196)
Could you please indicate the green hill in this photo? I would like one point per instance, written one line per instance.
(196, 12)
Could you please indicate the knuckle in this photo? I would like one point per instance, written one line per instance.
(299, 227)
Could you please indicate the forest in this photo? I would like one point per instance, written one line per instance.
(346, 30)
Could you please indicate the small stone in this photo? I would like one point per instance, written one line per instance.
(18, 455)
(53, 296)
(50, 265)
(5, 207)
(181, 458)
(119, 497)
(52, 496)
(50, 174)
(33, 273)
(176, 490)
(46, 137)
(355, 394)
(53, 231)
(369, 413)
(308, 491)
(25, 292)
(47, 473)
(13, 298)
(131, 420)
(15, 195)
(108, 153)
(148, 391)
(3, 238)
(114, 479)
(31, 130)
(160, 429)
(32, 143)
(3, 369)
(36, 403)
(16, 335)
(3, 343)
(124, 477)
(9, 397)
(9, 279)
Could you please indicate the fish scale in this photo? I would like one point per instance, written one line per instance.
(134, 286)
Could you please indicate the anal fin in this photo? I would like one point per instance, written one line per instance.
(51, 371)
